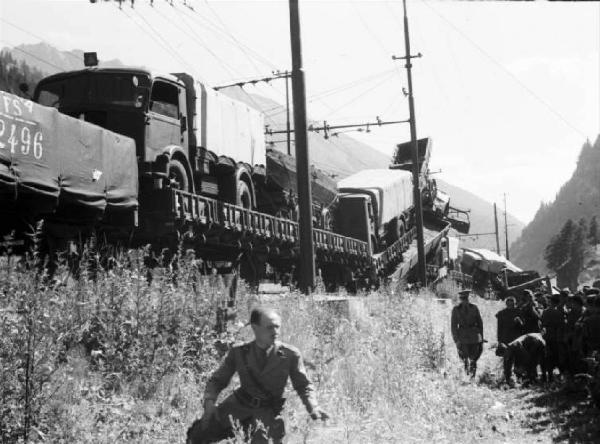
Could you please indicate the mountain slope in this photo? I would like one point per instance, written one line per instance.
(578, 197)
(482, 219)
(50, 60)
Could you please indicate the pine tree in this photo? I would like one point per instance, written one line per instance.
(558, 253)
(593, 231)
(577, 254)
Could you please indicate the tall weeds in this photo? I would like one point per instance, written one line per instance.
(122, 355)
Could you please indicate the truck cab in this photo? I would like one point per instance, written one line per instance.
(187, 135)
(151, 109)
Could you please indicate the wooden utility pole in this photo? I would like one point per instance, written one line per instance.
(506, 229)
(287, 114)
(422, 269)
(496, 226)
(306, 277)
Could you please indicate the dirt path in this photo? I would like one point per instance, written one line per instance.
(546, 415)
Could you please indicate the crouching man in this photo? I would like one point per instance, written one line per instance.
(524, 354)
(264, 366)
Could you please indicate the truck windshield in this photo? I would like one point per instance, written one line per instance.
(124, 89)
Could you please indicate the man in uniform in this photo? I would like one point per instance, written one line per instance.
(467, 332)
(264, 366)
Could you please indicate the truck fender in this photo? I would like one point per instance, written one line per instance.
(174, 152)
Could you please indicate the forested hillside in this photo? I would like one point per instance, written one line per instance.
(578, 198)
(14, 72)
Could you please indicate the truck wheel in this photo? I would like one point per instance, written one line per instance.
(244, 196)
(178, 175)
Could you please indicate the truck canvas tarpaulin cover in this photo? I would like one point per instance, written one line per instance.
(281, 170)
(486, 260)
(58, 164)
(391, 189)
(228, 127)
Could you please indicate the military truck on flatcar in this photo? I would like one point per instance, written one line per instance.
(185, 133)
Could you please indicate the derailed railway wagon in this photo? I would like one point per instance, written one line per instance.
(163, 159)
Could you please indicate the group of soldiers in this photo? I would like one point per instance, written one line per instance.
(558, 331)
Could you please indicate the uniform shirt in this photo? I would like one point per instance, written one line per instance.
(281, 362)
(466, 324)
(509, 325)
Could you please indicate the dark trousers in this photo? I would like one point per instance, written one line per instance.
(469, 354)
(219, 426)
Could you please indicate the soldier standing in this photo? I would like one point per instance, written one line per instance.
(467, 332)
(264, 366)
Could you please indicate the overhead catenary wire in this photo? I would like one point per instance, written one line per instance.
(155, 38)
(70, 54)
(349, 102)
(198, 39)
(225, 65)
(506, 71)
(245, 49)
(33, 55)
(335, 90)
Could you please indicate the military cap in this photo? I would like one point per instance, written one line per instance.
(591, 299)
(464, 292)
(555, 298)
(592, 291)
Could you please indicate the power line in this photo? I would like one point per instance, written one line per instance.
(34, 56)
(233, 37)
(335, 111)
(506, 71)
(37, 37)
(241, 46)
(336, 90)
(153, 37)
(196, 37)
(168, 45)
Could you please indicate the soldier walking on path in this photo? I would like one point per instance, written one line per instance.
(467, 332)
(264, 366)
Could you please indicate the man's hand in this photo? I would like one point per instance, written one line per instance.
(318, 413)
(210, 410)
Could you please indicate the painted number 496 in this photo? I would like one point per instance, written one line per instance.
(20, 138)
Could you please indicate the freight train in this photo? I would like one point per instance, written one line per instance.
(167, 160)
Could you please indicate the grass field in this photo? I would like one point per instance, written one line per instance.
(115, 359)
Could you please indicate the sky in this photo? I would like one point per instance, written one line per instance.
(508, 91)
